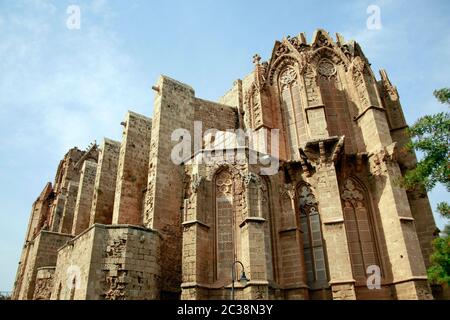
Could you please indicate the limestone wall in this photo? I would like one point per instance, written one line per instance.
(84, 197)
(310, 230)
(44, 283)
(109, 263)
(69, 208)
(105, 183)
(43, 253)
(132, 169)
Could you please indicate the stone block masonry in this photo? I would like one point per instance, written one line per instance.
(43, 253)
(105, 183)
(132, 169)
(142, 226)
(69, 208)
(84, 197)
(109, 262)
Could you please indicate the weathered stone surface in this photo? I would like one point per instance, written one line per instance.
(132, 169)
(109, 262)
(69, 208)
(315, 228)
(41, 253)
(84, 197)
(105, 183)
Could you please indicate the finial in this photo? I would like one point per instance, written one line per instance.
(256, 59)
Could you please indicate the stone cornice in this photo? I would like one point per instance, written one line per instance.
(356, 118)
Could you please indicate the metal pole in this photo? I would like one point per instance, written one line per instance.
(233, 276)
(232, 280)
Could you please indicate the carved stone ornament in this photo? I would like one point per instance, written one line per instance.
(288, 191)
(256, 109)
(352, 195)
(256, 59)
(387, 154)
(326, 68)
(322, 41)
(116, 247)
(295, 41)
(250, 177)
(358, 65)
(115, 288)
(307, 197)
(311, 84)
(224, 183)
(43, 289)
(195, 183)
(305, 59)
(288, 76)
(282, 49)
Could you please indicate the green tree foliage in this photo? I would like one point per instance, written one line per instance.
(443, 95)
(439, 271)
(430, 135)
(444, 209)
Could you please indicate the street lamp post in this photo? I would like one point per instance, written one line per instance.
(243, 279)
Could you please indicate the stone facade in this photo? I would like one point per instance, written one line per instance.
(135, 220)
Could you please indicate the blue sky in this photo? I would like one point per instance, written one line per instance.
(61, 88)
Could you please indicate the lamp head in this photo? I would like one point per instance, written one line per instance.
(243, 279)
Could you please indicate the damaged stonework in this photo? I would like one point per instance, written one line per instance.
(123, 220)
(113, 262)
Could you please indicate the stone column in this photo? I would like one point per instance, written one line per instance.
(323, 154)
(315, 108)
(172, 110)
(293, 271)
(84, 197)
(197, 251)
(58, 209)
(402, 249)
(132, 170)
(418, 199)
(69, 208)
(254, 258)
(105, 183)
(334, 233)
(402, 244)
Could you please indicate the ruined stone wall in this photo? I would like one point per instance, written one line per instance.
(132, 170)
(172, 110)
(117, 262)
(309, 231)
(39, 217)
(44, 283)
(69, 208)
(43, 253)
(105, 183)
(68, 170)
(84, 197)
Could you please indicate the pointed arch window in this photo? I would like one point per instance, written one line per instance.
(224, 225)
(359, 227)
(291, 108)
(313, 247)
(258, 192)
(339, 121)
